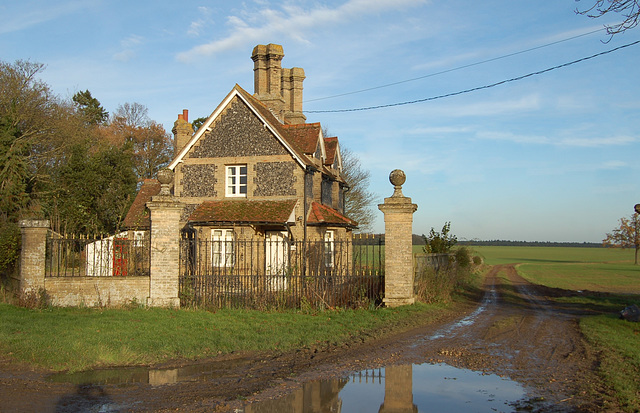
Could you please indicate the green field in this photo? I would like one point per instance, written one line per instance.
(595, 269)
(552, 255)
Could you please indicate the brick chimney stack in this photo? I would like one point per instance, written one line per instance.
(279, 89)
(182, 131)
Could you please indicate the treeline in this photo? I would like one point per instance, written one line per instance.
(375, 239)
(506, 243)
(69, 160)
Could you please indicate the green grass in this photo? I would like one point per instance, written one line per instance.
(617, 341)
(549, 255)
(620, 278)
(80, 338)
(595, 269)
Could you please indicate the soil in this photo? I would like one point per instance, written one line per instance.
(514, 331)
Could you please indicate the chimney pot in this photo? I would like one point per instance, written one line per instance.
(185, 114)
(180, 117)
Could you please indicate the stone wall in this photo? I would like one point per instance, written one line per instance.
(275, 179)
(97, 291)
(199, 180)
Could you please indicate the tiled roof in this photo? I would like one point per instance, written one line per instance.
(330, 146)
(244, 211)
(322, 214)
(138, 216)
(304, 136)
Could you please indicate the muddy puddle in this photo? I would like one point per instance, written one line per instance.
(404, 388)
(154, 377)
(400, 388)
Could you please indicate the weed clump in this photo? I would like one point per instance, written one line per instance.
(35, 299)
(439, 283)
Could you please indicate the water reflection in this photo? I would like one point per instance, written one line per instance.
(155, 377)
(394, 389)
(318, 396)
(401, 389)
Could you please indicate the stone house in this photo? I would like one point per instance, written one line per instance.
(256, 171)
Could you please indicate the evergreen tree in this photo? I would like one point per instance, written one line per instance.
(90, 108)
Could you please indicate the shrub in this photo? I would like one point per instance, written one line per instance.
(439, 285)
(463, 257)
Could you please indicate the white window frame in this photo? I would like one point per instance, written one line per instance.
(234, 178)
(138, 238)
(329, 248)
(222, 248)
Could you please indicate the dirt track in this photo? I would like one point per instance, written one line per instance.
(515, 331)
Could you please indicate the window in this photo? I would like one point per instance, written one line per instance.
(237, 180)
(326, 189)
(222, 248)
(329, 249)
(139, 238)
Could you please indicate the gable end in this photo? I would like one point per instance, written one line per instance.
(238, 132)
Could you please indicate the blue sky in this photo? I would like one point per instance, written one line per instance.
(552, 157)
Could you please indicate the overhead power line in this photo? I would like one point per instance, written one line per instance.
(493, 59)
(514, 79)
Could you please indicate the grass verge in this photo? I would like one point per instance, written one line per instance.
(76, 339)
(616, 341)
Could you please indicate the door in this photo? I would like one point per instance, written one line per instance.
(276, 259)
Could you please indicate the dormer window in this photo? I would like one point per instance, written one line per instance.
(318, 153)
(236, 181)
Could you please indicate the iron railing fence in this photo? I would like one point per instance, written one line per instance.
(110, 256)
(261, 274)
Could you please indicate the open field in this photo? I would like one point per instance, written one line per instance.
(594, 269)
(548, 255)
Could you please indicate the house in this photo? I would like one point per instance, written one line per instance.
(257, 171)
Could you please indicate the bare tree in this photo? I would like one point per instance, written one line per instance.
(358, 200)
(629, 9)
(152, 145)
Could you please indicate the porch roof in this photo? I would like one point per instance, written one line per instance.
(321, 215)
(245, 211)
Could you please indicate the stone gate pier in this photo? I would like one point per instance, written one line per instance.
(398, 224)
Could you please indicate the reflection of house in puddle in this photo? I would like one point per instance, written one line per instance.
(318, 396)
(324, 395)
(160, 377)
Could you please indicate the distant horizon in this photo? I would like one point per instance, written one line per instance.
(419, 237)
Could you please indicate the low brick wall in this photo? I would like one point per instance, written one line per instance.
(97, 291)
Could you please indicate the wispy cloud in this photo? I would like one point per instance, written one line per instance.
(197, 27)
(40, 13)
(584, 142)
(437, 130)
(490, 54)
(291, 21)
(527, 103)
(129, 47)
(598, 141)
(613, 165)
